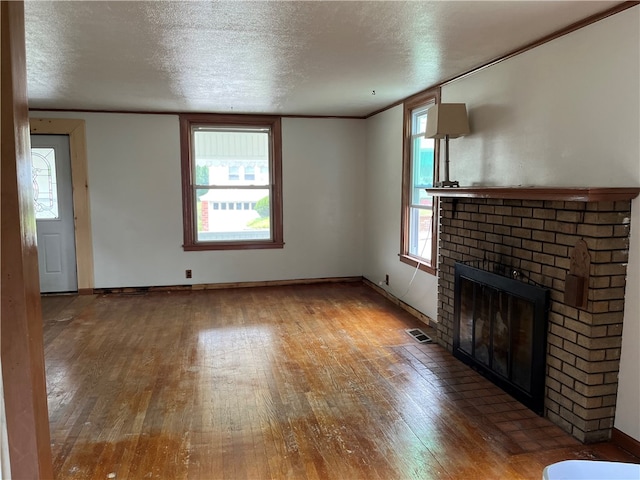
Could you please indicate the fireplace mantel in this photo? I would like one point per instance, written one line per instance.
(566, 194)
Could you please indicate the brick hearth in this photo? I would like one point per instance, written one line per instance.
(536, 237)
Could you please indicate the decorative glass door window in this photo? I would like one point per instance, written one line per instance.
(45, 185)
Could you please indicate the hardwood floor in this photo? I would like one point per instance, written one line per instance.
(301, 382)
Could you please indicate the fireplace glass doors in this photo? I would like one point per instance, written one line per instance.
(500, 330)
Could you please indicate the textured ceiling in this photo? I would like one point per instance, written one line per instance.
(302, 58)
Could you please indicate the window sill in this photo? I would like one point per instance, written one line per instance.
(198, 247)
(414, 262)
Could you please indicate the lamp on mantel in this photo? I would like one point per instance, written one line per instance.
(447, 120)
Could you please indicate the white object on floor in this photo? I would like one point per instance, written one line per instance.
(591, 470)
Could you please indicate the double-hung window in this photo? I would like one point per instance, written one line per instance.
(222, 208)
(419, 210)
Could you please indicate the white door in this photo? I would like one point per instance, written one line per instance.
(53, 198)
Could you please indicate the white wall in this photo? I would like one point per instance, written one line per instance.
(568, 114)
(323, 163)
(562, 114)
(136, 204)
(628, 406)
(383, 196)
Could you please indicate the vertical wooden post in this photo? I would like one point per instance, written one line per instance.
(20, 315)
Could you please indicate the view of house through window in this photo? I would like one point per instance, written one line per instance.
(232, 204)
(231, 189)
(421, 204)
(419, 210)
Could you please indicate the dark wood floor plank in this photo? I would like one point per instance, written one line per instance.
(300, 382)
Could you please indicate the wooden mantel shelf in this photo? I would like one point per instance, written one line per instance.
(567, 194)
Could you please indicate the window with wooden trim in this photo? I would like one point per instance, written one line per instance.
(226, 204)
(420, 169)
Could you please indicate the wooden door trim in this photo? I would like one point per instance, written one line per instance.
(21, 343)
(80, 185)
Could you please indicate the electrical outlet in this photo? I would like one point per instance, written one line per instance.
(386, 279)
(187, 273)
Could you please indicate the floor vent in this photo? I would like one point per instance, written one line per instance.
(418, 335)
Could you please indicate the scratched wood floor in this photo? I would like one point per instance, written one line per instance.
(300, 382)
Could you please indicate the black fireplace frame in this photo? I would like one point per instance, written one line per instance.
(539, 297)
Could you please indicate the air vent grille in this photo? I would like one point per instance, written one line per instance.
(418, 335)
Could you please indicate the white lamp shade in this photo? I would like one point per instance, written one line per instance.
(447, 119)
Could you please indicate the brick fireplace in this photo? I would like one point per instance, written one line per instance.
(535, 232)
